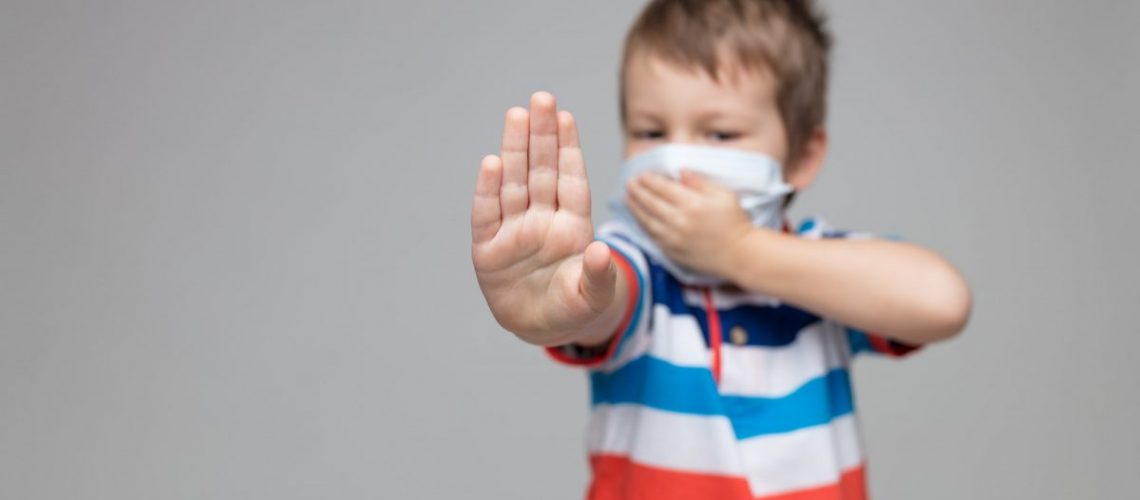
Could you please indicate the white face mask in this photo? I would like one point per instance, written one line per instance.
(756, 179)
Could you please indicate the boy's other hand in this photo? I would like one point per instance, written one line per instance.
(694, 221)
(543, 276)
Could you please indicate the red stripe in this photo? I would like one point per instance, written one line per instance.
(852, 485)
(880, 344)
(618, 478)
(615, 339)
(715, 335)
(883, 345)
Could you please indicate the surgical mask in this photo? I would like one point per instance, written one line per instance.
(756, 179)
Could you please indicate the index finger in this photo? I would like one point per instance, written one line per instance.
(670, 190)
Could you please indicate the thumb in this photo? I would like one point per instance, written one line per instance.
(599, 276)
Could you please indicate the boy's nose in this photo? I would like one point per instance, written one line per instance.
(682, 138)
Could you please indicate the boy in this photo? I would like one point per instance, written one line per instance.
(717, 341)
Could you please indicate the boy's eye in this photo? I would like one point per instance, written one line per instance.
(648, 135)
(721, 136)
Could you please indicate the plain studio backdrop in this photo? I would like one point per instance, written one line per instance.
(234, 245)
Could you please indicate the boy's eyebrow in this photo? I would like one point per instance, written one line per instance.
(648, 115)
(715, 114)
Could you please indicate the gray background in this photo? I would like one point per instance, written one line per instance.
(234, 245)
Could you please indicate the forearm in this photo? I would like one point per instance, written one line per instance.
(896, 289)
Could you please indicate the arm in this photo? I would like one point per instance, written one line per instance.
(543, 276)
(901, 290)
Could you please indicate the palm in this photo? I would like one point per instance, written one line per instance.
(531, 224)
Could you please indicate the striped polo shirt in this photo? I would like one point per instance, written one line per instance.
(722, 394)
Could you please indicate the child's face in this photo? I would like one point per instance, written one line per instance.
(668, 104)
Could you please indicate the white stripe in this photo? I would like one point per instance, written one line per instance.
(678, 340)
(634, 347)
(822, 228)
(805, 458)
(725, 299)
(757, 371)
(675, 339)
(692, 443)
(761, 371)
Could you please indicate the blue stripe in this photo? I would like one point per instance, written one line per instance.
(815, 403)
(661, 385)
(658, 384)
(858, 341)
(806, 225)
(767, 326)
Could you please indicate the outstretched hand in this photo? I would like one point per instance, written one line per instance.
(543, 276)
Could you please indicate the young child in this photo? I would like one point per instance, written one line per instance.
(717, 340)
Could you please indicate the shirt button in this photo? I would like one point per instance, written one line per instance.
(738, 335)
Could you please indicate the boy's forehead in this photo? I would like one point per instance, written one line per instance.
(652, 77)
(726, 68)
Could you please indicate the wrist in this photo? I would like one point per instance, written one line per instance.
(599, 332)
(752, 258)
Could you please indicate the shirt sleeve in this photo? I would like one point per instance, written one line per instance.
(634, 323)
(859, 341)
(874, 343)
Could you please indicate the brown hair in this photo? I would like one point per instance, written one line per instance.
(786, 37)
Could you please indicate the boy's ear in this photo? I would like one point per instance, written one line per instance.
(803, 172)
